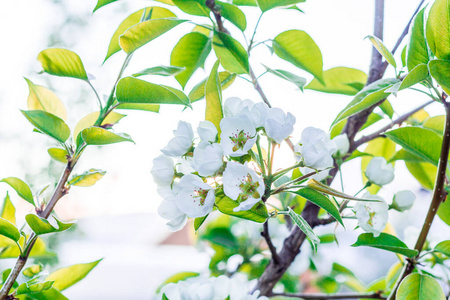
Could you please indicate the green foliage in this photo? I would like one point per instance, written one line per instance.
(233, 14)
(48, 124)
(198, 92)
(58, 154)
(443, 247)
(8, 230)
(439, 70)
(193, 7)
(8, 211)
(21, 187)
(41, 98)
(420, 287)
(300, 82)
(230, 52)
(437, 29)
(257, 213)
(417, 50)
(29, 288)
(101, 3)
(266, 5)
(386, 242)
(416, 75)
(381, 48)
(304, 227)
(88, 178)
(42, 226)
(444, 211)
(213, 94)
(62, 62)
(66, 277)
(99, 136)
(177, 277)
(339, 80)
(161, 71)
(90, 119)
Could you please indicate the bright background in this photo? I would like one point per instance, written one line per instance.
(118, 219)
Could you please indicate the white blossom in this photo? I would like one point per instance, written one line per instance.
(403, 200)
(207, 131)
(181, 142)
(169, 210)
(316, 148)
(372, 216)
(208, 158)
(378, 171)
(342, 145)
(233, 106)
(238, 135)
(163, 170)
(256, 113)
(195, 198)
(243, 184)
(278, 125)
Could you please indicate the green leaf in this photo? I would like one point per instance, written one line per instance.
(437, 29)
(48, 124)
(142, 33)
(199, 222)
(258, 213)
(381, 48)
(22, 189)
(322, 201)
(89, 120)
(8, 230)
(100, 136)
(32, 270)
(62, 62)
(213, 95)
(422, 142)
(444, 211)
(11, 250)
(417, 75)
(133, 19)
(232, 55)
(425, 173)
(133, 90)
(405, 155)
(198, 92)
(298, 48)
(88, 178)
(139, 106)
(420, 287)
(233, 14)
(177, 277)
(392, 275)
(193, 7)
(265, 5)
(403, 56)
(58, 154)
(41, 98)
(297, 80)
(320, 187)
(161, 71)
(50, 294)
(8, 211)
(417, 50)
(435, 123)
(439, 70)
(101, 3)
(245, 2)
(443, 247)
(42, 226)
(336, 81)
(304, 227)
(29, 288)
(66, 277)
(386, 242)
(368, 96)
(190, 53)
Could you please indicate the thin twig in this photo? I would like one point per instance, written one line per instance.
(376, 295)
(265, 234)
(212, 6)
(397, 121)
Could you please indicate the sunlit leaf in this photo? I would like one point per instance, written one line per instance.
(416, 75)
(100, 136)
(386, 107)
(378, 44)
(62, 62)
(41, 98)
(232, 55)
(439, 70)
(66, 277)
(30, 288)
(139, 106)
(101, 3)
(443, 247)
(444, 211)
(8, 230)
(417, 50)
(199, 222)
(22, 189)
(177, 277)
(437, 29)
(48, 124)
(50, 294)
(42, 226)
(386, 242)
(336, 81)
(58, 154)
(8, 211)
(265, 5)
(258, 213)
(11, 250)
(89, 120)
(32, 270)
(233, 14)
(286, 75)
(198, 92)
(213, 94)
(161, 71)
(320, 187)
(193, 7)
(420, 287)
(245, 2)
(304, 227)
(435, 123)
(88, 178)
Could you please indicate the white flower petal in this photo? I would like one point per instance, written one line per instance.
(195, 198)
(379, 171)
(372, 216)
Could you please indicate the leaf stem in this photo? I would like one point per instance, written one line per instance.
(96, 95)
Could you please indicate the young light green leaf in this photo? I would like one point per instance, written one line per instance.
(416, 75)
(133, 19)
(66, 277)
(198, 92)
(30, 288)
(101, 3)
(405, 155)
(422, 142)
(265, 5)
(42, 226)
(443, 247)
(177, 277)
(258, 213)
(62, 62)
(50, 294)
(48, 124)
(444, 211)
(439, 70)
(22, 189)
(88, 178)
(89, 120)
(233, 14)
(142, 33)
(245, 2)
(99, 136)
(420, 287)
(58, 154)
(304, 226)
(403, 56)
(8, 230)
(378, 44)
(213, 94)
(8, 211)
(161, 71)
(32, 270)
(320, 200)
(39, 250)
(41, 98)
(435, 123)
(193, 7)
(425, 173)
(133, 90)
(297, 80)
(199, 222)
(232, 55)
(417, 50)
(386, 242)
(190, 53)
(437, 29)
(320, 187)
(139, 106)
(336, 81)
(298, 48)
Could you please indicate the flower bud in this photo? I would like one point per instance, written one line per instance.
(316, 148)
(378, 171)
(342, 145)
(278, 125)
(403, 200)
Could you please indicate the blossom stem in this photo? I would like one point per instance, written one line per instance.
(261, 159)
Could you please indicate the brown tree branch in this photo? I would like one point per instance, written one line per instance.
(376, 295)
(265, 234)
